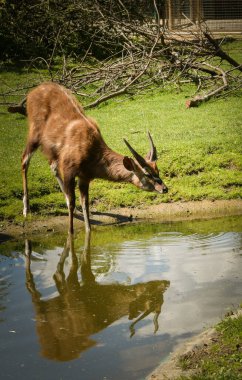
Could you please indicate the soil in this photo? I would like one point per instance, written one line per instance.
(196, 349)
(170, 370)
(164, 212)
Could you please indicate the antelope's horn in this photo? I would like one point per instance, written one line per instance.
(152, 155)
(136, 155)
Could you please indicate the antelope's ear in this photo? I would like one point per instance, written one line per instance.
(129, 164)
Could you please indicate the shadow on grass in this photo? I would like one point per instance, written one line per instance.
(96, 221)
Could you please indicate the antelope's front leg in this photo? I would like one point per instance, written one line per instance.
(69, 190)
(84, 191)
(55, 171)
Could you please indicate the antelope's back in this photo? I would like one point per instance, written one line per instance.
(52, 100)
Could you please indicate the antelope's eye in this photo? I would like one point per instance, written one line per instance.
(159, 181)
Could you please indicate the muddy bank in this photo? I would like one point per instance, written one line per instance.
(166, 212)
(195, 348)
(170, 370)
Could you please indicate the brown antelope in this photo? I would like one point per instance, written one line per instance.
(74, 146)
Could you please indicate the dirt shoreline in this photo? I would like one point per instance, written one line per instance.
(171, 370)
(163, 213)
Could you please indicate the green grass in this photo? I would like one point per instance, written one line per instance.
(221, 360)
(199, 150)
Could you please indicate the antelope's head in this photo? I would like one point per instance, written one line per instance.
(145, 171)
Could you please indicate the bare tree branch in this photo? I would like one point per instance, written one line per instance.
(148, 56)
(198, 99)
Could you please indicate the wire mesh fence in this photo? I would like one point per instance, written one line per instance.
(223, 15)
(219, 15)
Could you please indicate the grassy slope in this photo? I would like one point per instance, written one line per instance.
(222, 360)
(199, 152)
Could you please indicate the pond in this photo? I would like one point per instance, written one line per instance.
(114, 308)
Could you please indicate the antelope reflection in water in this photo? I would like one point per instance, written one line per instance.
(66, 322)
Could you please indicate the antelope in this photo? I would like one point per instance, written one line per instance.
(74, 147)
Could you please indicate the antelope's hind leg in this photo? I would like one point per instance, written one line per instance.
(27, 154)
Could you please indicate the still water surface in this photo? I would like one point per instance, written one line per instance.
(116, 309)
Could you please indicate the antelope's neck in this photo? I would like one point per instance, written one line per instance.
(111, 167)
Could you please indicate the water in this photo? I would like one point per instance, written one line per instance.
(117, 309)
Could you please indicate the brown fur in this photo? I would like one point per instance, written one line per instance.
(74, 146)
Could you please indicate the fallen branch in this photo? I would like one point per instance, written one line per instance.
(125, 88)
(221, 53)
(19, 108)
(198, 99)
(151, 56)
